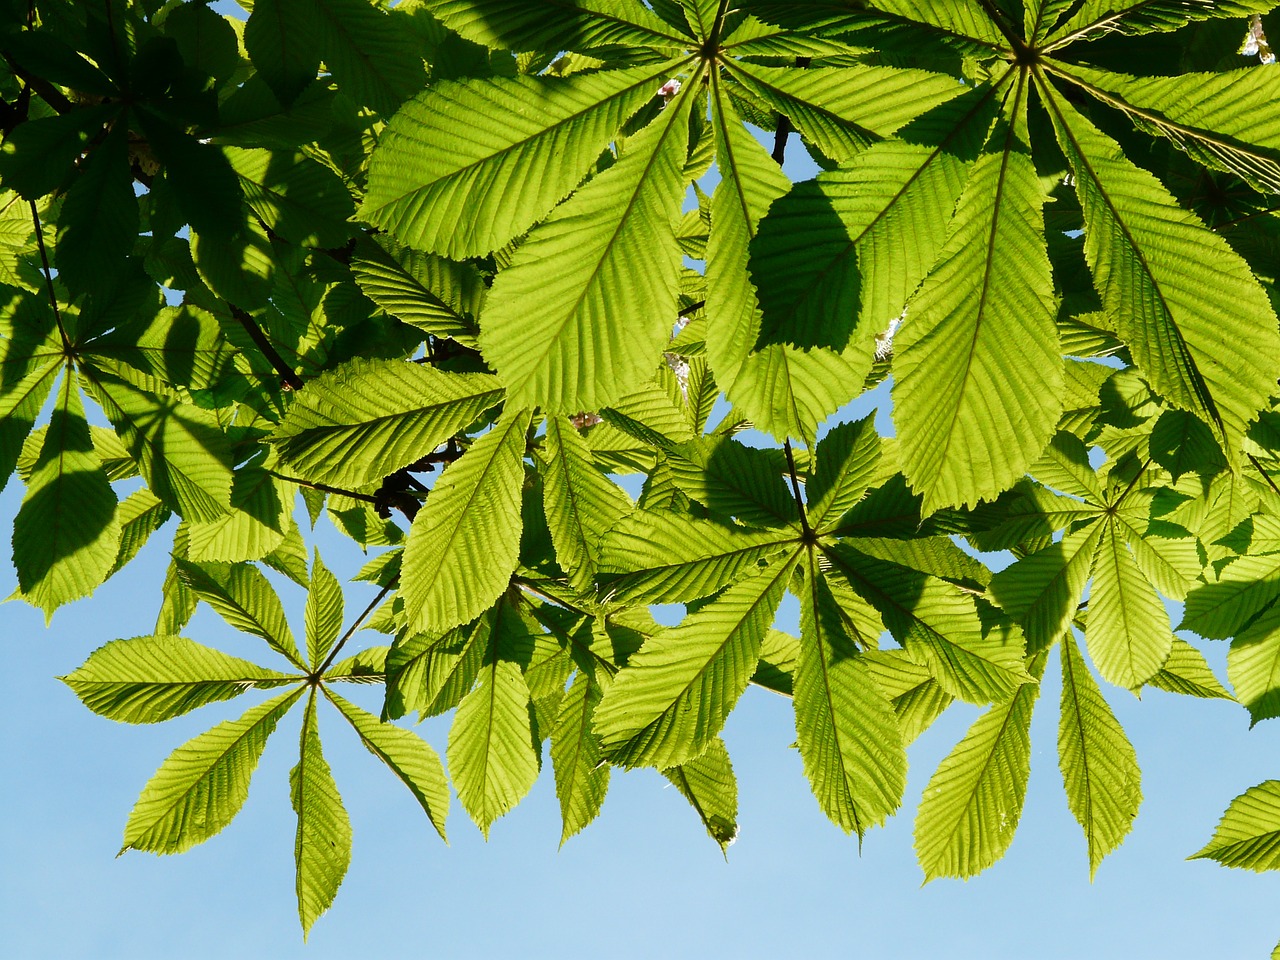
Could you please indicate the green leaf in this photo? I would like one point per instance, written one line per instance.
(917, 698)
(843, 110)
(1245, 587)
(1128, 633)
(493, 751)
(973, 801)
(581, 503)
(243, 597)
(1162, 275)
(846, 729)
(848, 463)
(554, 321)
(179, 447)
(1187, 672)
(465, 541)
(431, 674)
(436, 295)
(255, 526)
(406, 755)
(322, 844)
(140, 514)
(66, 535)
(296, 197)
(939, 626)
(155, 678)
(323, 612)
(970, 423)
(1248, 835)
(367, 50)
(708, 783)
(280, 39)
(203, 784)
(659, 557)
(368, 418)
(672, 698)
(98, 222)
(1253, 666)
(464, 168)
(1043, 590)
(582, 778)
(735, 480)
(1099, 768)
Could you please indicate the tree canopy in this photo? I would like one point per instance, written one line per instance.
(446, 270)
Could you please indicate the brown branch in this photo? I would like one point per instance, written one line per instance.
(288, 378)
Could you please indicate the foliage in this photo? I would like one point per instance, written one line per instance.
(429, 266)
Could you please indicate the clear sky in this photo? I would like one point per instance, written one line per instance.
(643, 881)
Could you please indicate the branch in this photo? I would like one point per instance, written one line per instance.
(805, 529)
(288, 378)
(48, 278)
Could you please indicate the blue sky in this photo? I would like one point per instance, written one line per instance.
(643, 881)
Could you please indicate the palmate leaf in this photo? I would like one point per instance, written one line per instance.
(973, 802)
(581, 503)
(555, 24)
(785, 391)
(431, 674)
(583, 311)
(155, 678)
(582, 778)
(917, 698)
(406, 755)
(465, 541)
(203, 784)
(297, 198)
(99, 219)
(466, 167)
(1099, 767)
(1128, 633)
(1160, 274)
(734, 480)
(672, 698)
(969, 422)
(660, 557)
(938, 624)
(708, 783)
(832, 106)
(845, 725)
(179, 447)
(493, 751)
(322, 843)
(847, 249)
(66, 534)
(323, 612)
(368, 418)
(1244, 588)
(242, 596)
(1248, 835)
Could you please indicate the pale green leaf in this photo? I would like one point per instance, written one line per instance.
(465, 541)
(848, 463)
(65, 535)
(368, 418)
(203, 784)
(299, 199)
(242, 596)
(846, 729)
(466, 167)
(406, 755)
(436, 295)
(735, 480)
(1248, 835)
(1187, 672)
(918, 699)
(708, 783)
(368, 50)
(972, 804)
(254, 527)
(555, 24)
(155, 678)
(1099, 767)
(582, 778)
(323, 612)
(673, 696)
(969, 422)
(582, 313)
(431, 674)
(1128, 633)
(322, 843)
(1253, 666)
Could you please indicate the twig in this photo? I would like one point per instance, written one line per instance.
(288, 378)
(805, 530)
(325, 488)
(355, 625)
(48, 278)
